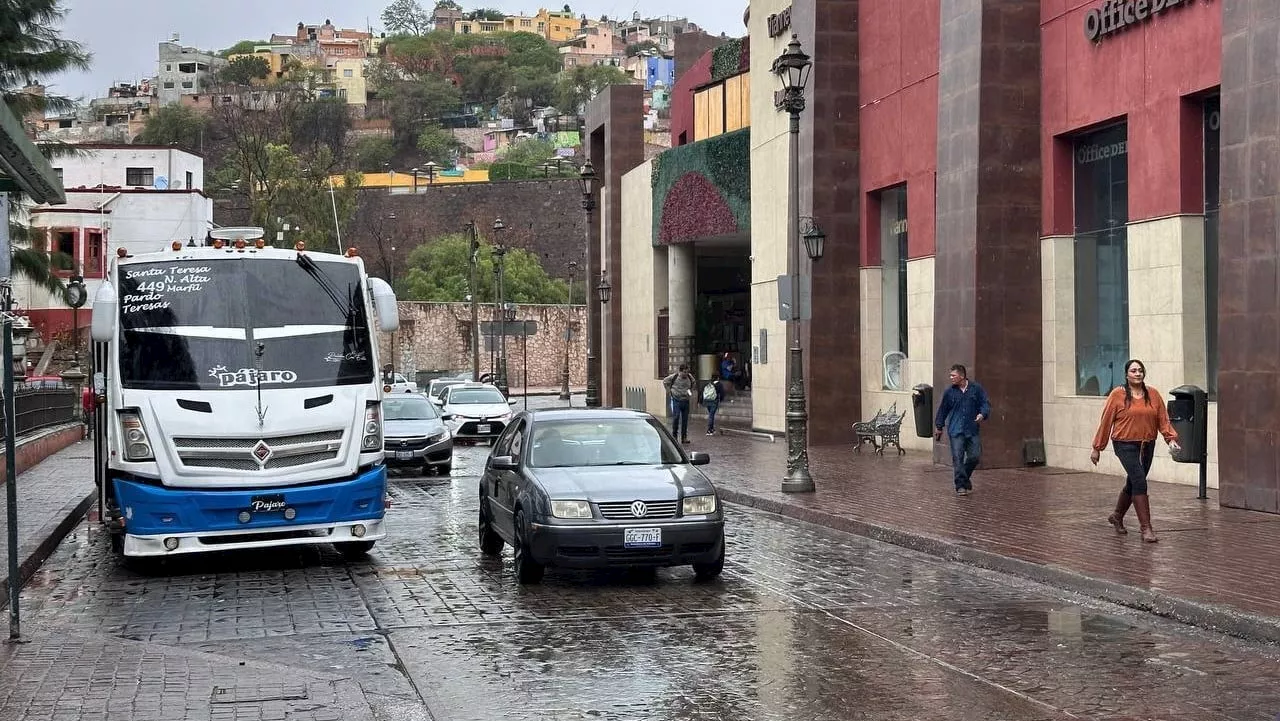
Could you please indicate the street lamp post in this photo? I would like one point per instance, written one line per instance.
(792, 68)
(587, 179)
(565, 394)
(431, 167)
(473, 259)
(499, 254)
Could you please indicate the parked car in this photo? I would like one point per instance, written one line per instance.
(415, 435)
(397, 383)
(437, 385)
(596, 488)
(475, 411)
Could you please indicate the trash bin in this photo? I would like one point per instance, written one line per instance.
(922, 408)
(1189, 416)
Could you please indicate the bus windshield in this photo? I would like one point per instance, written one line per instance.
(243, 322)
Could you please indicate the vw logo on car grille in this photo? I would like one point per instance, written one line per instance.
(639, 510)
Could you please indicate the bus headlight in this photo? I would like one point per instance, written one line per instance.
(372, 428)
(137, 446)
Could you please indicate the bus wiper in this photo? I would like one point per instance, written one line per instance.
(257, 380)
(321, 279)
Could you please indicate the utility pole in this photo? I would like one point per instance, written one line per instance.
(10, 425)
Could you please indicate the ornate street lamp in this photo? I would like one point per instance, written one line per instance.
(587, 181)
(431, 168)
(499, 254)
(792, 68)
(565, 394)
(604, 289)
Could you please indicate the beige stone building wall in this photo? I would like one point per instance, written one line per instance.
(919, 365)
(644, 290)
(437, 337)
(769, 170)
(1166, 331)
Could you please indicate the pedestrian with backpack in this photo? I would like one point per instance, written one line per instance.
(679, 386)
(712, 395)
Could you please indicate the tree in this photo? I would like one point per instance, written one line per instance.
(448, 5)
(576, 88)
(412, 104)
(177, 125)
(438, 145)
(372, 154)
(323, 123)
(406, 16)
(244, 47)
(439, 272)
(490, 14)
(295, 190)
(31, 49)
(245, 69)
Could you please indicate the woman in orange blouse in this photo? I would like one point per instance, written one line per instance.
(1132, 418)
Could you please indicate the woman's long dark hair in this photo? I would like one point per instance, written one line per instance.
(1128, 389)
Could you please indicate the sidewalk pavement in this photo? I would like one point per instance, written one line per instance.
(52, 497)
(1214, 567)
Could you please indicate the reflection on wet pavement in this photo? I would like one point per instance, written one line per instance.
(806, 623)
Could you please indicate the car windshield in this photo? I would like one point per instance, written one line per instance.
(601, 442)
(476, 396)
(408, 409)
(239, 322)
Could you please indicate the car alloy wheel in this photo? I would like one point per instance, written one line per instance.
(490, 541)
(528, 571)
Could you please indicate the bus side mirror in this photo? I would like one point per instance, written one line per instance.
(384, 304)
(105, 305)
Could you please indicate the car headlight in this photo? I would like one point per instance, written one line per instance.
(571, 509)
(438, 437)
(137, 445)
(699, 505)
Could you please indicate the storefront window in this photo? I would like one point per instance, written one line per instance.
(1212, 144)
(893, 273)
(1101, 262)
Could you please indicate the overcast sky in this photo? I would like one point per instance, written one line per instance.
(123, 34)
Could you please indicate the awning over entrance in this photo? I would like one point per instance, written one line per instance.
(22, 166)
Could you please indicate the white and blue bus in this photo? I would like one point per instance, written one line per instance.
(239, 398)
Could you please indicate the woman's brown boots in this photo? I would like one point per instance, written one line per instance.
(1117, 519)
(1142, 507)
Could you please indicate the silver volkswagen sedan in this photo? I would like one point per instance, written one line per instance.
(596, 488)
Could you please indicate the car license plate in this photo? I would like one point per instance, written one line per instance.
(642, 538)
(483, 428)
(404, 455)
(267, 503)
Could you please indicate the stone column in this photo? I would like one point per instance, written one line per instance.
(1249, 257)
(987, 275)
(681, 293)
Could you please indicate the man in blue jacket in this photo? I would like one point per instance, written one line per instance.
(964, 407)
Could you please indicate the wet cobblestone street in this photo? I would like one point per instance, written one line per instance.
(805, 623)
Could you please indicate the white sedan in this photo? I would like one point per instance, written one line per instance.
(474, 411)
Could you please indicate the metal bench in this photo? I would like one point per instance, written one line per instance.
(868, 431)
(889, 429)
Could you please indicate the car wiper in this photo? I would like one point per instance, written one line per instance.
(631, 463)
(322, 279)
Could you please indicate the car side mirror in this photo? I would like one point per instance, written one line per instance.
(446, 417)
(103, 325)
(698, 458)
(503, 463)
(384, 305)
(511, 401)
(437, 401)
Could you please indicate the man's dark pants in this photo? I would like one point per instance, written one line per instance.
(680, 418)
(966, 451)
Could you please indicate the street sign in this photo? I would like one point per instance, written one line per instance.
(784, 298)
(510, 328)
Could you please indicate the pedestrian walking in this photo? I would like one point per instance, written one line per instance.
(963, 409)
(1131, 419)
(88, 399)
(712, 396)
(679, 387)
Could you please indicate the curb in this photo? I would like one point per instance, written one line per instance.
(1210, 616)
(49, 537)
